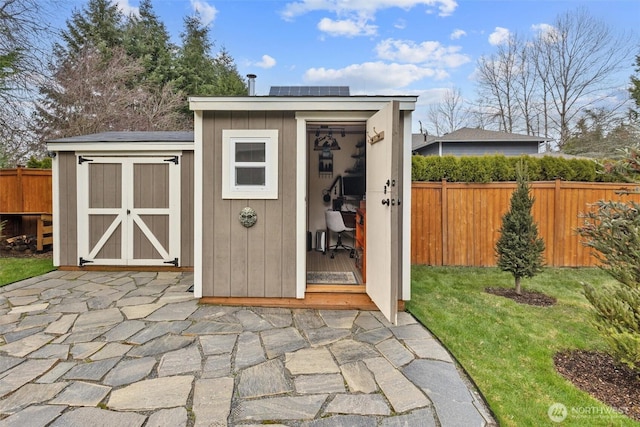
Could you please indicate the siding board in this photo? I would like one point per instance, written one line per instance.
(257, 261)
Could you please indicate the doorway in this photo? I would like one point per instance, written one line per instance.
(336, 181)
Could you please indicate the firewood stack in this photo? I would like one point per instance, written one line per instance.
(21, 243)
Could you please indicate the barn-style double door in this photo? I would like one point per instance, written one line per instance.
(128, 210)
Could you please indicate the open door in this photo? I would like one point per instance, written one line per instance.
(384, 149)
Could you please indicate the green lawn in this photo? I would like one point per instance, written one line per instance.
(15, 269)
(507, 348)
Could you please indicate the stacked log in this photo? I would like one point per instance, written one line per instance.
(20, 243)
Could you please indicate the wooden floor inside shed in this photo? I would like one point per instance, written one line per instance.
(342, 262)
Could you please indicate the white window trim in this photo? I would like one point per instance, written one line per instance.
(232, 136)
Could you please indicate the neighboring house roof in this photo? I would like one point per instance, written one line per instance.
(137, 136)
(481, 135)
(466, 135)
(419, 140)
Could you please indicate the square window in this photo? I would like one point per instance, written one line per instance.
(250, 164)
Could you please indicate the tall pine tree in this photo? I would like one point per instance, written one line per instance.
(146, 38)
(98, 25)
(519, 248)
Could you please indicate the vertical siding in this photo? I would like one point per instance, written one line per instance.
(186, 206)
(68, 214)
(257, 261)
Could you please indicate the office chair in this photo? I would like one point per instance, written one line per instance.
(335, 223)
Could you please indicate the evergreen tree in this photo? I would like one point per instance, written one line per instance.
(196, 72)
(147, 39)
(519, 248)
(99, 25)
(635, 83)
(228, 81)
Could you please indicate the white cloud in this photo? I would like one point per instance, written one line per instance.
(499, 36)
(126, 8)
(400, 24)
(431, 52)
(373, 76)
(366, 8)
(545, 31)
(207, 12)
(266, 62)
(457, 34)
(346, 27)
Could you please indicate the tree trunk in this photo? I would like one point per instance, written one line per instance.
(518, 287)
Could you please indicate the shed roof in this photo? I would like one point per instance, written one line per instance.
(134, 136)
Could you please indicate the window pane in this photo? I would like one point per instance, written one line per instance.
(250, 176)
(250, 152)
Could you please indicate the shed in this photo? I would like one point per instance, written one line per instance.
(241, 201)
(123, 199)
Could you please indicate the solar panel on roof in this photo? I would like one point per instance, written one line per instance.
(309, 91)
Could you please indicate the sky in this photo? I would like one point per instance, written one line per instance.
(376, 47)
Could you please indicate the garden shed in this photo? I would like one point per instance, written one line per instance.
(242, 200)
(123, 199)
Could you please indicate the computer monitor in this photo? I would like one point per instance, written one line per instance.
(354, 186)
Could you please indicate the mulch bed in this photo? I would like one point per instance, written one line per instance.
(599, 375)
(526, 297)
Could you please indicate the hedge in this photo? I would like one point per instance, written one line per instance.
(502, 168)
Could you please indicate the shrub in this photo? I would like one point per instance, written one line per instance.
(613, 230)
(519, 248)
(501, 168)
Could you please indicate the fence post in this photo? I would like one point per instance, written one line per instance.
(445, 222)
(558, 235)
(20, 189)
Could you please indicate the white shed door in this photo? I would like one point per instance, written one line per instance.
(128, 210)
(382, 197)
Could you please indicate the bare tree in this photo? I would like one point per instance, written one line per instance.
(576, 59)
(449, 114)
(24, 51)
(89, 95)
(498, 77)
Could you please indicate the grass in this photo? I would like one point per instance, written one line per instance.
(16, 269)
(508, 348)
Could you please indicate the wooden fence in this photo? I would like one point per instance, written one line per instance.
(457, 223)
(26, 191)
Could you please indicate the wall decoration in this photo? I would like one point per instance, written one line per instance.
(248, 217)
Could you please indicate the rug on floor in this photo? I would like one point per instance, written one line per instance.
(332, 277)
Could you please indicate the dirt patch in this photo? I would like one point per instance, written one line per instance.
(599, 375)
(526, 297)
(26, 254)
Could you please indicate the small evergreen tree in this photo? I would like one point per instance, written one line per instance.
(613, 230)
(519, 248)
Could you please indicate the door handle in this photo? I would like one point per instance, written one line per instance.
(385, 202)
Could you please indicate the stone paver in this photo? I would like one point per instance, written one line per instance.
(136, 349)
(151, 394)
(212, 401)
